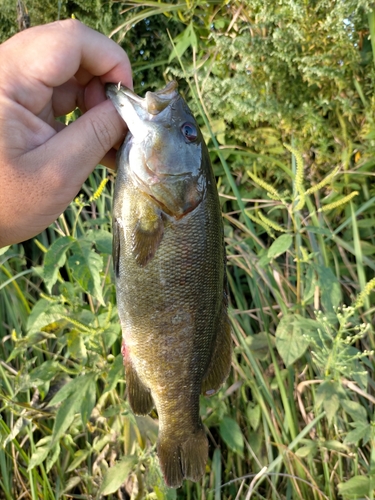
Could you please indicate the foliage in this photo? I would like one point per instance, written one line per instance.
(296, 417)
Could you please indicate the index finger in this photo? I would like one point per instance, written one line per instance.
(48, 56)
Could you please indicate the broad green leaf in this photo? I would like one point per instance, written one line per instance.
(44, 314)
(231, 433)
(355, 410)
(52, 459)
(115, 373)
(329, 288)
(333, 444)
(76, 346)
(79, 456)
(81, 398)
(55, 258)
(117, 475)
(329, 394)
(165, 493)
(86, 266)
(65, 416)
(362, 430)
(259, 344)
(280, 246)
(39, 455)
(102, 240)
(110, 335)
(357, 486)
(88, 397)
(253, 414)
(45, 372)
(78, 384)
(309, 449)
(311, 281)
(291, 338)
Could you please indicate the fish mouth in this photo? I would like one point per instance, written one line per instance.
(153, 102)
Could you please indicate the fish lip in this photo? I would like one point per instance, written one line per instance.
(153, 102)
(112, 90)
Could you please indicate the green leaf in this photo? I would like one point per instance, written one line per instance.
(259, 344)
(88, 400)
(52, 459)
(183, 41)
(55, 258)
(76, 346)
(334, 445)
(355, 410)
(231, 433)
(329, 288)
(4, 249)
(39, 455)
(77, 396)
(44, 373)
(253, 414)
(309, 449)
(115, 373)
(102, 240)
(291, 338)
(79, 456)
(65, 416)
(280, 246)
(86, 266)
(362, 430)
(329, 394)
(117, 475)
(357, 486)
(44, 313)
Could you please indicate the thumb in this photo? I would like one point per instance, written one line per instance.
(74, 152)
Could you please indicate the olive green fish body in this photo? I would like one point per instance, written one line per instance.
(169, 261)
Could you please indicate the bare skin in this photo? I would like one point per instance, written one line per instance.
(48, 71)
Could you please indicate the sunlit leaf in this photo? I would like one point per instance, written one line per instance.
(117, 475)
(231, 433)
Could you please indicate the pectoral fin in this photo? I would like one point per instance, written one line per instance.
(147, 233)
(219, 366)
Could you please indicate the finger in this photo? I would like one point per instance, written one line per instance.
(68, 97)
(109, 159)
(68, 157)
(62, 49)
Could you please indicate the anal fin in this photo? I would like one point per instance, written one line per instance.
(219, 366)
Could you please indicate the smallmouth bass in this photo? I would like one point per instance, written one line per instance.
(169, 261)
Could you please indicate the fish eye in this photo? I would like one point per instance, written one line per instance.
(189, 131)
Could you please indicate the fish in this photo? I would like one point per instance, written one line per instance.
(170, 273)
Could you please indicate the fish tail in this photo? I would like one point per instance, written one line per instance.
(183, 460)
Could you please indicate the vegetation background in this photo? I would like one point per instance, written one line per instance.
(284, 92)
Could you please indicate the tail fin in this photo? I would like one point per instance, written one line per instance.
(183, 460)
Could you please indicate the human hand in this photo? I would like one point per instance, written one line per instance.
(46, 72)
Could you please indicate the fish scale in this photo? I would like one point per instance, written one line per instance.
(169, 260)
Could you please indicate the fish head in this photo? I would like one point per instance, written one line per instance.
(166, 147)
